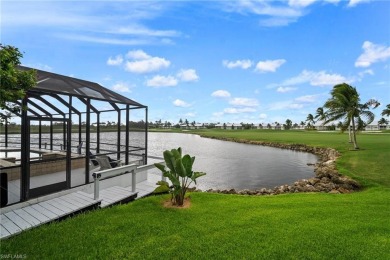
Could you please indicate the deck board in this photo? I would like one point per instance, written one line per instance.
(18, 220)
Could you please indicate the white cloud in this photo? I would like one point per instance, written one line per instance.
(138, 55)
(136, 29)
(307, 98)
(144, 63)
(269, 65)
(263, 116)
(243, 64)
(115, 61)
(180, 103)
(190, 114)
(300, 3)
(285, 89)
(234, 110)
(372, 53)
(282, 105)
(162, 81)
(244, 102)
(221, 93)
(121, 87)
(353, 3)
(187, 75)
(320, 78)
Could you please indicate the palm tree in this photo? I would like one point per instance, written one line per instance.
(344, 104)
(310, 120)
(320, 114)
(386, 111)
(383, 121)
(288, 124)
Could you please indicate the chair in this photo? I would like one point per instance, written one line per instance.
(106, 162)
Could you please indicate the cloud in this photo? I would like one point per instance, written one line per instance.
(300, 3)
(144, 63)
(162, 81)
(285, 89)
(243, 64)
(263, 116)
(269, 65)
(372, 53)
(307, 98)
(353, 3)
(137, 29)
(121, 87)
(115, 61)
(244, 102)
(234, 110)
(221, 94)
(187, 75)
(282, 105)
(320, 78)
(180, 103)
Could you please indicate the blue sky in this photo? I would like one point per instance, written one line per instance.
(211, 61)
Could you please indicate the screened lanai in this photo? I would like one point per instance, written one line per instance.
(67, 123)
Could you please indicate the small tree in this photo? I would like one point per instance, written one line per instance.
(386, 111)
(288, 124)
(14, 82)
(179, 172)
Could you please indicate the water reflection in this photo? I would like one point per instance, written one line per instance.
(234, 165)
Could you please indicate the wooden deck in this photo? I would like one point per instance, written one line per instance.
(17, 220)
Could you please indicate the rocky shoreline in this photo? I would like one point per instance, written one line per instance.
(327, 179)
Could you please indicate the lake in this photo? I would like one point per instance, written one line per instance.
(227, 164)
(234, 165)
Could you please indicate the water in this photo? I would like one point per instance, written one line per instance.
(234, 165)
(227, 164)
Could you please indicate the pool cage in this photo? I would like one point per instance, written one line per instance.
(61, 133)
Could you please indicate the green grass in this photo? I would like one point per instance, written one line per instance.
(217, 226)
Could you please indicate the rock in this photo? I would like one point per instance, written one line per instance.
(334, 192)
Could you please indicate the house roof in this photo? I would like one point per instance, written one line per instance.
(51, 83)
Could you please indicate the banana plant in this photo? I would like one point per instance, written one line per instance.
(178, 169)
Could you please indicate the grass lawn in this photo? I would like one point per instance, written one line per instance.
(217, 226)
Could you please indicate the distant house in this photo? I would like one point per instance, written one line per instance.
(219, 126)
(260, 126)
(101, 124)
(276, 126)
(375, 126)
(197, 126)
(184, 126)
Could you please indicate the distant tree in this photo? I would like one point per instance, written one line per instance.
(14, 83)
(320, 114)
(344, 103)
(386, 111)
(310, 120)
(288, 124)
(181, 121)
(193, 123)
(186, 122)
(383, 121)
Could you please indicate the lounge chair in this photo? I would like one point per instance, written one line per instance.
(106, 162)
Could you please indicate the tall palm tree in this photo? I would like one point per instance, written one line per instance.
(310, 119)
(386, 111)
(320, 114)
(345, 104)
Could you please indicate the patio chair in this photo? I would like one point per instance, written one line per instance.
(106, 162)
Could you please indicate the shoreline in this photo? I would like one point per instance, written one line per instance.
(327, 179)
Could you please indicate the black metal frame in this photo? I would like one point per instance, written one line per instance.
(35, 112)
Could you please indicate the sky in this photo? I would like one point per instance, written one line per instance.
(211, 61)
